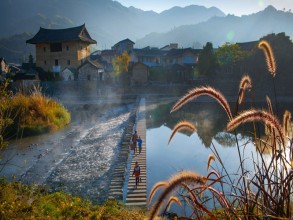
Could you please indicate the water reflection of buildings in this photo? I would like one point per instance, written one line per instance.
(208, 118)
(210, 121)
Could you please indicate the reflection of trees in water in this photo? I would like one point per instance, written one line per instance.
(207, 118)
(266, 141)
(208, 125)
(225, 139)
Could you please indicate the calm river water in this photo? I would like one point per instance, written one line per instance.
(79, 159)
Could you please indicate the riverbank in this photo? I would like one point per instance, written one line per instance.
(77, 159)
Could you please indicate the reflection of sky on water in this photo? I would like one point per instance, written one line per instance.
(186, 153)
(189, 152)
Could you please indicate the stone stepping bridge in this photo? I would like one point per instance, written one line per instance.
(122, 187)
(137, 196)
(120, 167)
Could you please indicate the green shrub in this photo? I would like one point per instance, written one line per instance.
(19, 201)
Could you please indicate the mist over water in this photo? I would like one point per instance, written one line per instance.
(79, 158)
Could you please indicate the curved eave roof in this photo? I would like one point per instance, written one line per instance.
(62, 35)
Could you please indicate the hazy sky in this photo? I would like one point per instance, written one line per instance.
(236, 7)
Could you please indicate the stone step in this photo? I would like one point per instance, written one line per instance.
(131, 195)
(142, 176)
(119, 171)
(132, 200)
(114, 188)
(142, 204)
(115, 193)
(140, 185)
(133, 187)
(117, 178)
(116, 184)
(131, 191)
(132, 179)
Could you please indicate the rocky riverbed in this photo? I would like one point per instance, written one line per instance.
(78, 159)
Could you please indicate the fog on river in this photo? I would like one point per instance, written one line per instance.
(79, 159)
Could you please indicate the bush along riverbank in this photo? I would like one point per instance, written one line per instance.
(19, 201)
(26, 115)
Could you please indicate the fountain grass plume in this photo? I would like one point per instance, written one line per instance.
(245, 83)
(286, 121)
(155, 188)
(270, 58)
(204, 90)
(171, 200)
(211, 157)
(183, 125)
(257, 115)
(173, 183)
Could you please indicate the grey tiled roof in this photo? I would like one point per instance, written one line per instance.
(79, 33)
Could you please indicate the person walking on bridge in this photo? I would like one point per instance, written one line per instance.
(136, 172)
(139, 143)
(134, 140)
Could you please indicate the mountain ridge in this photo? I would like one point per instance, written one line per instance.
(101, 17)
(230, 28)
(109, 22)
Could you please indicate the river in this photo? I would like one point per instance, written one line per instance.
(79, 159)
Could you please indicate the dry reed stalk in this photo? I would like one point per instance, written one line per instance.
(245, 83)
(196, 204)
(171, 200)
(270, 107)
(155, 188)
(257, 115)
(204, 90)
(215, 173)
(183, 125)
(268, 129)
(270, 58)
(286, 121)
(211, 157)
(173, 182)
(219, 196)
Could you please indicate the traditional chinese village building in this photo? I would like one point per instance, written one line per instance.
(57, 49)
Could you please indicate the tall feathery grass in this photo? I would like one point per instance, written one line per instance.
(205, 90)
(6, 116)
(35, 114)
(265, 192)
(183, 125)
(245, 84)
(270, 58)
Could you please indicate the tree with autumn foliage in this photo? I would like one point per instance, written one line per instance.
(120, 64)
(228, 55)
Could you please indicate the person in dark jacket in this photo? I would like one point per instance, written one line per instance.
(134, 140)
(136, 172)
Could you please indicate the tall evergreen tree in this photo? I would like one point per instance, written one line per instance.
(31, 59)
(207, 61)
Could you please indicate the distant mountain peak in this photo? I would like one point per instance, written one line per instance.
(270, 8)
